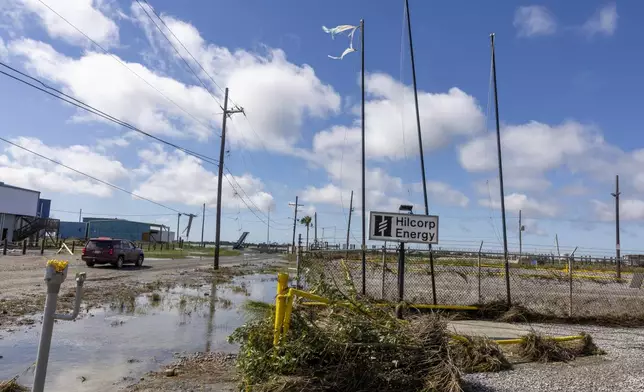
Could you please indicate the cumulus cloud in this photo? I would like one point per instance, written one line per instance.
(100, 81)
(4, 52)
(603, 22)
(277, 95)
(518, 201)
(180, 178)
(21, 168)
(629, 210)
(86, 15)
(534, 20)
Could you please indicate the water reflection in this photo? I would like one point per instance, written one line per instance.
(113, 346)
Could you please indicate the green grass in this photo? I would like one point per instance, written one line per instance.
(179, 254)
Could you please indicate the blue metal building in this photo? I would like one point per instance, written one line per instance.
(116, 228)
(72, 230)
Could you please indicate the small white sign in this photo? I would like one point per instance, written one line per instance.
(389, 226)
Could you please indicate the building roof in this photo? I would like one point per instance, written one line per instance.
(2, 184)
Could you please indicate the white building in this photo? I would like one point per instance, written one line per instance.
(16, 203)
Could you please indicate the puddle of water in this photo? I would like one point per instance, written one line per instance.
(117, 344)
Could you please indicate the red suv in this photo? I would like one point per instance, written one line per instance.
(105, 250)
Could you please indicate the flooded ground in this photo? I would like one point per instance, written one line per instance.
(118, 343)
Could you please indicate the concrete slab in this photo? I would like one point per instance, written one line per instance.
(490, 329)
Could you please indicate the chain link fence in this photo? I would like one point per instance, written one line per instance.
(545, 284)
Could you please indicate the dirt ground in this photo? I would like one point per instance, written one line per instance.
(206, 372)
(22, 287)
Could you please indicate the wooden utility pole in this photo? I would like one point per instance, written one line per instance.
(498, 146)
(80, 215)
(557, 243)
(349, 222)
(203, 224)
(617, 246)
(315, 228)
(295, 205)
(221, 173)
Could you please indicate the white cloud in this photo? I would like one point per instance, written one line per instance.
(517, 201)
(179, 178)
(534, 20)
(532, 227)
(86, 15)
(102, 82)
(277, 95)
(329, 194)
(603, 22)
(629, 210)
(4, 52)
(21, 168)
(442, 193)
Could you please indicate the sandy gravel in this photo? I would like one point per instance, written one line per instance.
(22, 288)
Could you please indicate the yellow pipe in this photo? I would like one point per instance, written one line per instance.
(416, 306)
(287, 313)
(280, 304)
(307, 295)
(556, 339)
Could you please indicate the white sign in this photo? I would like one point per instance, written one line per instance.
(389, 226)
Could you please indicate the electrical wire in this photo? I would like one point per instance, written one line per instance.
(177, 50)
(88, 176)
(82, 105)
(125, 65)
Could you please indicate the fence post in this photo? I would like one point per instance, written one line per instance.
(24, 247)
(431, 265)
(570, 264)
(148, 246)
(384, 270)
(298, 260)
(42, 245)
(479, 265)
(73, 245)
(4, 247)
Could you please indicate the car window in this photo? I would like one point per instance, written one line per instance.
(125, 245)
(99, 244)
(132, 245)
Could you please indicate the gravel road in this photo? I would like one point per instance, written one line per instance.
(619, 370)
(22, 289)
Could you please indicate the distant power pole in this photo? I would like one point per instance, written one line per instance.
(617, 247)
(80, 215)
(295, 205)
(521, 228)
(268, 229)
(349, 222)
(203, 224)
(178, 220)
(221, 172)
(557, 242)
(315, 228)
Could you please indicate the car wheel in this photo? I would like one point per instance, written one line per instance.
(139, 261)
(90, 264)
(119, 262)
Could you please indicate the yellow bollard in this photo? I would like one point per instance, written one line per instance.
(280, 305)
(287, 313)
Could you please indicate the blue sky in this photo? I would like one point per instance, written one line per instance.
(568, 79)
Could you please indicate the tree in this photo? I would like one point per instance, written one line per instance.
(306, 221)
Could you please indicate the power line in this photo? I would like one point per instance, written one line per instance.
(175, 49)
(106, 214)
(89, 176)
(186, 49)
(82, 105)
(124, 65)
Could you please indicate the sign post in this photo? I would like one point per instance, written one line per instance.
(402, 228)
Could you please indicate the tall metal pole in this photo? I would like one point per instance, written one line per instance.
(617, 246)
(294, 223)
(203, 224)
(349, 223)
(80, 215)
(315, 228)
(498, 147)
(364, 191)
(420, 138)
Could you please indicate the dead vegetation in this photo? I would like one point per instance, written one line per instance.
(539, 348)
(12, 386)
(477, 354)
